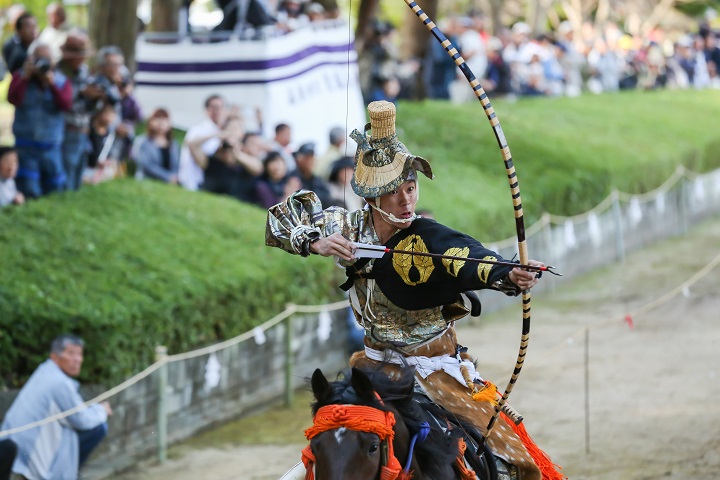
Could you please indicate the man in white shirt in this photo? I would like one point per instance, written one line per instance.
(282, 144)
(335, 151)
(472, 46)
(56, 31)
(190, 175)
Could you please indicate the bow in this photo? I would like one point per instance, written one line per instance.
(514, 189)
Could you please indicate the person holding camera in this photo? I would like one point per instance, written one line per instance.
(40, 95)
(230, 170)
(114, 82)
(110, 60)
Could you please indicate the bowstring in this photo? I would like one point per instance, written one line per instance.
(351, 44)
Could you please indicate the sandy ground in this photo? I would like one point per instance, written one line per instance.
(653, 388)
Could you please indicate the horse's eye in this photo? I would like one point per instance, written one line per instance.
(373, 448)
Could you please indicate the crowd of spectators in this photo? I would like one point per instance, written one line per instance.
(566, 61)
(71, 125)
(269, 18)
(76, 126)
(220, 155)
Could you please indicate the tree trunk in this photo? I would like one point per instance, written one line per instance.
(366, 13)
(114, 23)
(603, 13)
(165, 15)
(661, 9)
(415, 35)
(574, 12)
(415, 40)
(532, 8)
(496, 16)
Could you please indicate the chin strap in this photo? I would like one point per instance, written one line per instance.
(389, 217)
(385, 215)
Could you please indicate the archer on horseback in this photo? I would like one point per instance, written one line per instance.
(407, 303)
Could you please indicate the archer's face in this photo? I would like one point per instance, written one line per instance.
(401, 202)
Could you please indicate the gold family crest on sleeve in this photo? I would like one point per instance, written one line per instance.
(453, 266)
(484, 268)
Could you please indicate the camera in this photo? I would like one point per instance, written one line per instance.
(42, 65)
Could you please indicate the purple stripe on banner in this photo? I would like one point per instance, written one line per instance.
(266, 64)
(233, 82)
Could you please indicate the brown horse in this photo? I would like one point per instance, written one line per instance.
(342, 450)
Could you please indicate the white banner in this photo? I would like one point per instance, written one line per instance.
(307, 79)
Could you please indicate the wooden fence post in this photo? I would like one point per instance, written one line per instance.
(617, 216)
(289, 387)
(160, 356)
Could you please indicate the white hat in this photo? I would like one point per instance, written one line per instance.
(494, 44)
(685, 41)
(521, 27)
(565, 27)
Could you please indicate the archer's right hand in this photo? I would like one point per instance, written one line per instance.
(336, 245)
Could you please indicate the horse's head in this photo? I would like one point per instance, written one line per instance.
(353, 430)
(357, 436)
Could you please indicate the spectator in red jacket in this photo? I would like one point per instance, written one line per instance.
(40, 95)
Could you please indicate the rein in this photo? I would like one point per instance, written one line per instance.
(362, 419)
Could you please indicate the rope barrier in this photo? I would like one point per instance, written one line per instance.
(679, 173)
(549, 218)
(601, 207)
(544, 221)
(290, 310)
(100, 398)
(703, 272)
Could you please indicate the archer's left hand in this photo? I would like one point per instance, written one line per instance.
(525, 279)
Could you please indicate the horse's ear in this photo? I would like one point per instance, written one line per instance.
(320, 386)
(362, 385)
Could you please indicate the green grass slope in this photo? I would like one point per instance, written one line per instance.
(569, 152)
(130, 265)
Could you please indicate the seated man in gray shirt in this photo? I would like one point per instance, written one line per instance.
(55, 450)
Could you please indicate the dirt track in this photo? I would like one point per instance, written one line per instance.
(653, 391)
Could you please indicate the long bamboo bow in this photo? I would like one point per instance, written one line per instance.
(514, 189)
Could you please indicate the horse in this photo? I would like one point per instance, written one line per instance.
(367, 425)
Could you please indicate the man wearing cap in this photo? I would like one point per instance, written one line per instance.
(305, 162)
(408, 304)
(73, 64)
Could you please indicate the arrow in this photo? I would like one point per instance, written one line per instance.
(365, 250)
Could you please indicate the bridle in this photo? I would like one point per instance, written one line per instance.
(359, 418)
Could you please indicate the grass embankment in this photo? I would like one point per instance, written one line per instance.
(569, 152)
(131, 265)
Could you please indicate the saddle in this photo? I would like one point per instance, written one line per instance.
(477, 455)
